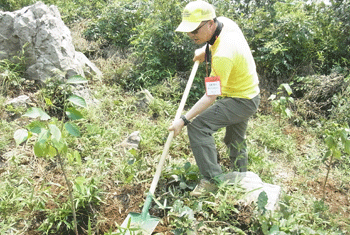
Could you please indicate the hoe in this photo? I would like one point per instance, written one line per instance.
(144, 223)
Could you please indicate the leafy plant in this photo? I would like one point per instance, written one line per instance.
(336, 140)
(185, 176)
(184, 220)
(12, 5)
(282, 222)
(51, 141)
(282, 103)
(12, 72)
(117, 24)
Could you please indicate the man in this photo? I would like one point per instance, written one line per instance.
(233, 68)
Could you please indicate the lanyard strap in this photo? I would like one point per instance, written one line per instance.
(211, 42)
(207, 58)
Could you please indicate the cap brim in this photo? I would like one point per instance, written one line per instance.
(187, 27)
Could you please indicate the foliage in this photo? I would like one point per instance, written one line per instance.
(117, 23)
(284, 221)
(159, 50)
(54, 93)
(50, 141)
(340, 104)
(290, 156)
(336, 139)
(281, 104)
(13, 5)
(184, 220)
(77, 10)
(12, 73)
(185, 176)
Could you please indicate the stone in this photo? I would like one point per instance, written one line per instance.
(132, 141)
(39, 31)
(144, 98)
(20, 101)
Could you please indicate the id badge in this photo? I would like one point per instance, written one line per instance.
(213, 85)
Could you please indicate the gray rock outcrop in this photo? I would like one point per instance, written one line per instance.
(39, 31)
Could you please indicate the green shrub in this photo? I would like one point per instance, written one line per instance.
(158, 49)
(117, 23)
(76, 10)
(13, 5)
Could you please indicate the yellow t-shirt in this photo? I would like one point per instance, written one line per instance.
(233, 62)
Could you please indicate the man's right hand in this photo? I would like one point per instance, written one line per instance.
(199, 55)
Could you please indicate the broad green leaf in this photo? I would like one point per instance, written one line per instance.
(61, 146)
(20, 136)
(77, 100)
(288, 112)
(36, 126)
(37, 112)
(43, 136)
(52, 152)
(72, 129)
(40, 149)
(73, 114)
(283, 100)
(347, 146)
(343, 135)
(77, 79)
(262, 200)
(55, 132)
(187, 166)
(330, 142)
(287, 88)
(337, 154)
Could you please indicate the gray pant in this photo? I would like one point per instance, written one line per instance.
(232, 113)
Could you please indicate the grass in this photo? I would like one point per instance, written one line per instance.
(33, 190)
(33, 195)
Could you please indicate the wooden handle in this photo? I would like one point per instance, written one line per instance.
(171, 134)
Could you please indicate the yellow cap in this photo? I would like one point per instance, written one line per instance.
(194, 13)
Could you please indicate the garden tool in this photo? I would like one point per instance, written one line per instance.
(144, 223)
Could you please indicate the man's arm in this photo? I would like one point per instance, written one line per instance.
(201, 105)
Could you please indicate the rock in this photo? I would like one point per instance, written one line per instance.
(253, 185)
(46, 41)
(144, 98)
(20, 101)
(132, 141)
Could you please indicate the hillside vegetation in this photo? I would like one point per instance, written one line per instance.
(299, 139)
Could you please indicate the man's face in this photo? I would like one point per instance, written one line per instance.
(202, 33)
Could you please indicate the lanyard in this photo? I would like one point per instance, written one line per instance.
(211, 42)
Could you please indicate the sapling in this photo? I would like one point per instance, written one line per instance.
(336, 140)
(281, 104)
(50, 139)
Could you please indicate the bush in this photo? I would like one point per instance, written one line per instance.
(13, 5)
(117, 23)
(159, 50)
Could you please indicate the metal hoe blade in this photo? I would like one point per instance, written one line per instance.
(136, 223)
